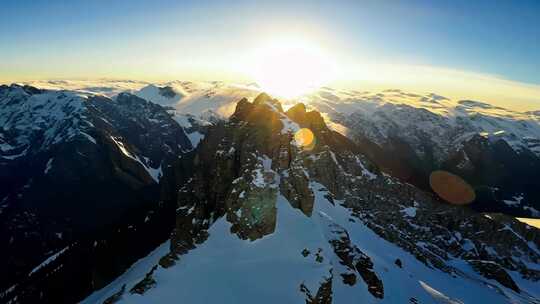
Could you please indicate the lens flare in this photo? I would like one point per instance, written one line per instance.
(451, 188)
(305, 138)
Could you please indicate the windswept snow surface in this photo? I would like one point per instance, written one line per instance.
(226, 269)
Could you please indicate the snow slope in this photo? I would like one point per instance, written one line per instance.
(271, 269)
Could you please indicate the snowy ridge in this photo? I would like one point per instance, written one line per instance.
(163, 96)
(35, 120)
(205, 100)
(51, 116)
(413, 116)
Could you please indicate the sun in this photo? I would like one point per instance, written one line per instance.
(291, 67)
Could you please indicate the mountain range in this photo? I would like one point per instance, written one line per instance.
(134, 192)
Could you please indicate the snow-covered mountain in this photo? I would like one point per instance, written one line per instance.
(496, 150)
(207, 100)
(269, 216)
(73, 167)
(36, 121)
(448, 123)
(204, 99)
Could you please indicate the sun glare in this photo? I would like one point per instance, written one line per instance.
(290, 68)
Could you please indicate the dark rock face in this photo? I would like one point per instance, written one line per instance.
(493, 271)
(147, 127)
(255, 214)
(167, 92)
(116, 297)
(498, 173)
(225, 160)
(307, 119)
(356, 262)
(76, 172)
(145, 284)
(323, 295)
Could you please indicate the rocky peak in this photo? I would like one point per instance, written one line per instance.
(129, 99)
(306, 119)
(262, 98)
(167, 91)
(265, 98)
(30, 90)
(256, 156)
(13, 87)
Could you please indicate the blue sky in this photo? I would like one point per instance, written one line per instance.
(141, 39)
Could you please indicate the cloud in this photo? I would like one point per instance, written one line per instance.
(449, 82)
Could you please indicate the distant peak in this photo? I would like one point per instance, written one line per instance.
(309, 119)
(127, 98)
(299, 107)
(30, 90)
(265, 98)
(150, 85)
(262, 98)
(167, 91)
(475, 104)
(164, 95)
